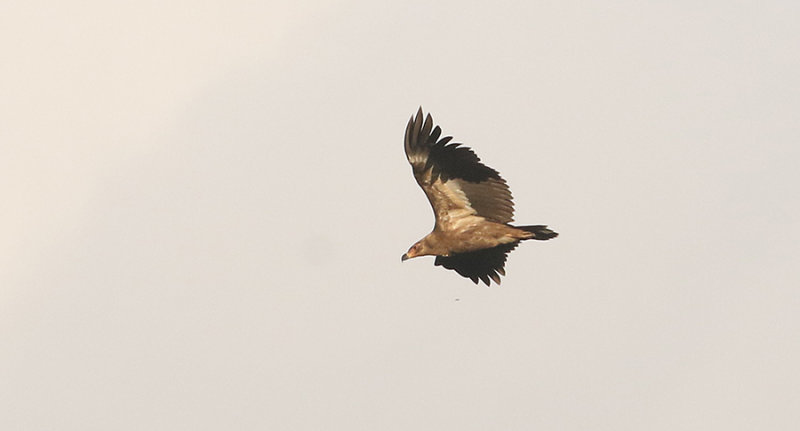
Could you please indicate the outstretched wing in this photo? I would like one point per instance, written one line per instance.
(485, 264)
(457, 184)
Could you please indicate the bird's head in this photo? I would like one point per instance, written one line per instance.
(418, 249)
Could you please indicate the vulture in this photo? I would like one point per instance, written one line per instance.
(472, 204)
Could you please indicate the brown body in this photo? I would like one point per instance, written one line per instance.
(471, 202)
(474, 234)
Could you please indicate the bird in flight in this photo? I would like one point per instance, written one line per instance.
(471, 202)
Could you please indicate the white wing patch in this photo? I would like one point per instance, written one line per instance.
(456, 213)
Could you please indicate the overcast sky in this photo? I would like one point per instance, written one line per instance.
(205, 204)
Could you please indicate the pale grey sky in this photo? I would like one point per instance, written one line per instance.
(205, 207)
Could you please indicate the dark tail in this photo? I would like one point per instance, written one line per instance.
(539, 232)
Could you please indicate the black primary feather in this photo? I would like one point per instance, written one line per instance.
(434, 158)
(477, 265)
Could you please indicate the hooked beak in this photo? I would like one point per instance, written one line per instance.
(405, 257)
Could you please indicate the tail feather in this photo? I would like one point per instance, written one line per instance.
(540, 232)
